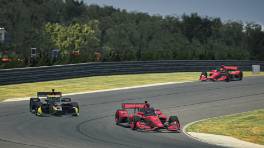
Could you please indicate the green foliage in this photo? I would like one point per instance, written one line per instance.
(73, 37)
(71, 25)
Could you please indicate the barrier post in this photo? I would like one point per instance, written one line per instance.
(255, 69)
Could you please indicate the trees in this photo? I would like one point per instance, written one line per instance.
(75, 37)
(255, 40)
(118, 35)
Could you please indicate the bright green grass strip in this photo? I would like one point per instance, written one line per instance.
(247, 126)
(97, 83)
(249, 74)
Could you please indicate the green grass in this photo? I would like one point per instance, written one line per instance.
(97, 83)
(247, 126)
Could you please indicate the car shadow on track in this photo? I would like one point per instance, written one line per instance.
(123, 125)
(148, 131)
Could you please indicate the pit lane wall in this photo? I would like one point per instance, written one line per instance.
(45, 73)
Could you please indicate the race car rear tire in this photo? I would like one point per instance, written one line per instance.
(117, 120)
(30, 106)
(33, 103)
(227, 77)
(240, 75)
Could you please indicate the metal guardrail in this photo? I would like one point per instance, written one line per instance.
(46, 73)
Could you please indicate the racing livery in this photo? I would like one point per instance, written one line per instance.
(224, 73)
(145, 118)
(53, 103)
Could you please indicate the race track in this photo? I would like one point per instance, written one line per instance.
(95, 126)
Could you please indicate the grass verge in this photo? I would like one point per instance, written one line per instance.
(247, 126)
(97, 83)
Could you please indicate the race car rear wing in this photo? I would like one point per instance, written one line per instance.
(49, 94)
(133, 105)
(231, 67)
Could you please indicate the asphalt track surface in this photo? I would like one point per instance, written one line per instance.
(95, 126)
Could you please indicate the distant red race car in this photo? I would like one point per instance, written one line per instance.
(145, 118)
(225, 73)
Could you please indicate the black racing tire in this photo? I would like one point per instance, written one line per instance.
(77, 106)
(204, 73)
(118, 121)
(117, 117)
(227, 77)
(240, 76)
(30, 106)
(36, 112)
(33, 103)
(51, 110)
(173, 118)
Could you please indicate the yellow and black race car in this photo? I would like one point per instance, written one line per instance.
(53, 103)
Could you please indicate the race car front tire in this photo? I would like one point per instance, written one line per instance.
(174, 119)
(241, 76)
(204, 73)
(76, 109)
(39, 111)
(134, 122)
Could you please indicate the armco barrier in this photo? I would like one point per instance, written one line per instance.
(45, 73)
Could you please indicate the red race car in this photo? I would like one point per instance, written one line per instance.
(225, 73)
(145, 118)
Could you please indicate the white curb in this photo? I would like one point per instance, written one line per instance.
(219, 140)
(225, 141)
